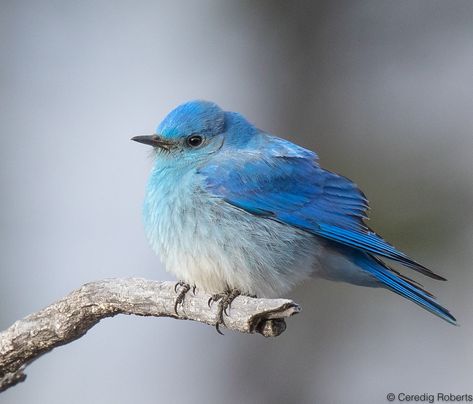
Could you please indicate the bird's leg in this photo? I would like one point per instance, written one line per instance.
(185, 287)
(224, 300)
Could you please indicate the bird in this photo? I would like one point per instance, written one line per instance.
(232, 209)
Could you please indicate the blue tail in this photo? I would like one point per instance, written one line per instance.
(402, 285)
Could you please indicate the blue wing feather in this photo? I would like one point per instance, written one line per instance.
(284, 181)
(401, 285)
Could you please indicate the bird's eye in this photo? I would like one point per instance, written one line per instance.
(194, 140)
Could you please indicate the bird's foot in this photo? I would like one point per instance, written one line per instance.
(184, 288)
(224, 300)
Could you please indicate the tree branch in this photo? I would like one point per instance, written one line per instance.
(71, 317)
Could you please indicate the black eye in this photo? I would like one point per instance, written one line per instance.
(194, 140)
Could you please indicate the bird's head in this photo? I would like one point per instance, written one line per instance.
(195, 130)
(191, 130)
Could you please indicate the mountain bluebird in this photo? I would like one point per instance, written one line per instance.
(232, 209)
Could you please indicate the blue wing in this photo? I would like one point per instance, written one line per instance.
(284, 182)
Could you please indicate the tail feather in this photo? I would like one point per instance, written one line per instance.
(402, 285)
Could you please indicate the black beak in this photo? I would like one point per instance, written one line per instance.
(153, 140)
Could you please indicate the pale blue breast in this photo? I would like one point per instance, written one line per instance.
(207, 242)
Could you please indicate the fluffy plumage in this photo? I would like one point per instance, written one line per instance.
(247, 210)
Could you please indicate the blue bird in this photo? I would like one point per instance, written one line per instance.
(232, 209)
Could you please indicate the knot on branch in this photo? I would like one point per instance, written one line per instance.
(72, 316)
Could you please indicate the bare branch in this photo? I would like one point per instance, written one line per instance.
(71, 317)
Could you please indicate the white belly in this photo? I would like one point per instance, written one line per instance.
(209, 243)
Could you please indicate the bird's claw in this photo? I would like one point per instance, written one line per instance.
(224, 300)
(185, 287)
(214, 298)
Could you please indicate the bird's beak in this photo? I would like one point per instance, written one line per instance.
(153, 140)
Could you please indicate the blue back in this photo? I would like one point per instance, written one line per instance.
(277, 179)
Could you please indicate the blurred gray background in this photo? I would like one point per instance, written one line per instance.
(382, 90)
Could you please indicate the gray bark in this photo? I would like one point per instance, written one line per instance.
(71, 317)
